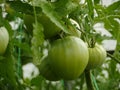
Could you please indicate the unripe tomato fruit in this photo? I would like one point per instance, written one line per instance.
(50, 29)
(28, 21)
(4, 39)
(68, 57)
(46, 72)
(97, 56)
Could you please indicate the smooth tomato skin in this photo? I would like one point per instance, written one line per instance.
(4, 39)
(97, 56)
(68, 57)
(46, 72)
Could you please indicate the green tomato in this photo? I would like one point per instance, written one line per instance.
(68, 57)
(50, 29)
(97, 56)
(46, 72)
(28, 21)
(4, 39)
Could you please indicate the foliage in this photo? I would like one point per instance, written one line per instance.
(70, 16)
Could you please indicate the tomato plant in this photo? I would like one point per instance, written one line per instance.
(4, 39)
(68, 57)
(58, 38)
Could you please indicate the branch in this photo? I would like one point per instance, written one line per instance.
(114, 58)
(90, 86)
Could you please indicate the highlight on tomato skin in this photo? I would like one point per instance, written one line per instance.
(97, 56)
(4, 39)
(68, 57)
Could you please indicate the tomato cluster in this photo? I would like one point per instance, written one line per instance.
(69, 57)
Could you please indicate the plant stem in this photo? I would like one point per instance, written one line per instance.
(89, 80)
(19, 67)
(114, 58)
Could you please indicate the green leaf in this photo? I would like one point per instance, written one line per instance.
(96, 1)
(48, 10)
(19, 6)
(60, 6)
(64, 7)
(54, 17)
(7, 69)
(100, 10)
(91, 8)
(112, 26)
(115, 7)
(20, 45)
(37, 81)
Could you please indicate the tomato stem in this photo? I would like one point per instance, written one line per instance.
(89, 83)
(114, 58)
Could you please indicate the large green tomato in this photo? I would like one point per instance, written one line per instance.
(68, 57)
(97, 56)
(46, 72)
(4, 39)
